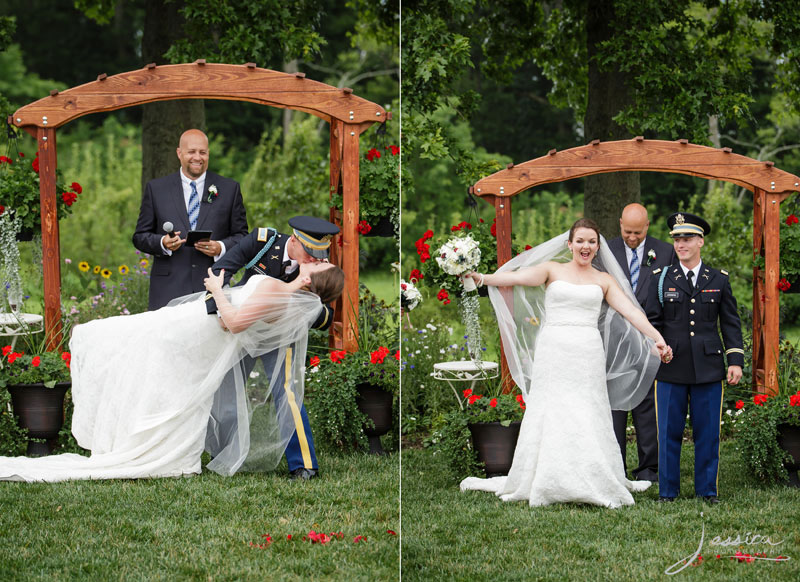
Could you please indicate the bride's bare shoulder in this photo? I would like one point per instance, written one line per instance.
(271, 285)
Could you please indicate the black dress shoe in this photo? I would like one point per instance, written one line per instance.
(666, 499)
(712, 499)
(646, 475)
(303, 473)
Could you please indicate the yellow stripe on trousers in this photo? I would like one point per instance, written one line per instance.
(298, 419)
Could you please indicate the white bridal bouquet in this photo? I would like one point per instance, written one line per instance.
(409, 295)
(458, 256)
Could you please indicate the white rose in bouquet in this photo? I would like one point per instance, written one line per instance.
(409, 295)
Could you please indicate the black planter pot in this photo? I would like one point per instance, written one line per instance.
(25, 235)
(495, 445)
(383, 227)
(41, 411)
(789, 440)
(376, 403)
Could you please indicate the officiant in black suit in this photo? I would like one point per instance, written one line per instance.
(639, 254)
(191, 199)
(265, 251)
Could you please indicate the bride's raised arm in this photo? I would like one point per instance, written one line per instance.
(617, 299)
(267, 303)
(528, 276)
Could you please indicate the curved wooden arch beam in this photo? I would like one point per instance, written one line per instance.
(769, 185)
(200, 80)
(639, 155)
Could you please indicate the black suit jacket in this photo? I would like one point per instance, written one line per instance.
(691, 323)
(269, 263)
(183, 272)
(665, 256)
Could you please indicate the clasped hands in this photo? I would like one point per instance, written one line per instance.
(664, 351)
(209, 248)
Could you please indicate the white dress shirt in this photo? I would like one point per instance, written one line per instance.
(186, 184)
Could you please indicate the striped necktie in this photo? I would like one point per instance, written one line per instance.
(194, 207)
(634, 269)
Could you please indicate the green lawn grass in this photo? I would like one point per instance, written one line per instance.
(200, 528)
(473, 536)
(382, 284)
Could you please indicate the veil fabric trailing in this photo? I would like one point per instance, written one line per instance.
(631, 358)
(267, 359)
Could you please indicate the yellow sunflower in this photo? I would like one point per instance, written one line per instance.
(123, 269)
(97, 269)
(83, 266)
(144, 263)
(106, 273)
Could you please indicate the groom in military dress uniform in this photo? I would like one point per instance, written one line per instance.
(691, 303)
(267, 252)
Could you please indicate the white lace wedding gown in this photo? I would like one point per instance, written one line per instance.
(142, 387)
(567, 451)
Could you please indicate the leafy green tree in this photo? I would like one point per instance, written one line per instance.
(624, 68)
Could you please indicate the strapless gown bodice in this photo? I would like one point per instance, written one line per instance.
(570, 304)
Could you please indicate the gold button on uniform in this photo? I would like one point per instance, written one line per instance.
(691, 323)
(692, 300)
(691, 312)
(691, 333)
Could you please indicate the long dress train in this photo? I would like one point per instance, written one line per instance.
(567, 451)
(143, 385)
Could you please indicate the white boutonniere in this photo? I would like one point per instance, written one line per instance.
(651, 256)
(212, 193)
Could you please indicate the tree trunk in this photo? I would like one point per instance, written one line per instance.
(605, 194)
(290, 67)
(165, 121)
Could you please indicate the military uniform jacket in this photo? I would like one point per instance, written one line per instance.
(689, 323)
(270, 263)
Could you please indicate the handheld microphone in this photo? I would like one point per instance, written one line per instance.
(168, 228)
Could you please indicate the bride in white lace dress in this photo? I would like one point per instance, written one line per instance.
(567, 451)
(143, 385)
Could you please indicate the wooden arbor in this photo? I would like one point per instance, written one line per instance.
(347, 114)
(769, 185)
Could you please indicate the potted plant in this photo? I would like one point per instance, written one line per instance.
(481, 434)
(790, 252)
(768, 430)
(19, 191)
(352, 397)
(37, 381)
(379, 192)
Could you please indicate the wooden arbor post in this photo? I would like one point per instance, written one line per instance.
(769, 185)
(348, 115)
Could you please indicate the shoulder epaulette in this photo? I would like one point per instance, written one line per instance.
(724, 272)
(269, 238)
